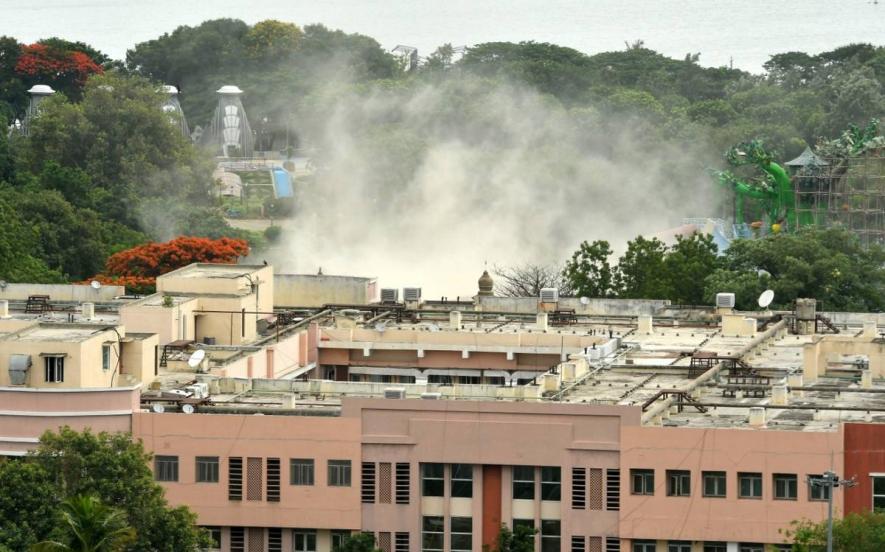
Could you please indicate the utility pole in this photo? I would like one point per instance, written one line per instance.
(830, 481)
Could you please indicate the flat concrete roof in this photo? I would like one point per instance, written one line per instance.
(210, 270)
(57, 332)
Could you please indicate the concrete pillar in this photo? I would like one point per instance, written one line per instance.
(288, 400)
(88, 311)
(757, 416)
(645, 324)
(4, 308)
(795, 380)
(542, 321)
(779, 395)
(810, 361)
(866, 379)
(455, 320)
(270, 367)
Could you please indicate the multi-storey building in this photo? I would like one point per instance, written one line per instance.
(604, 426)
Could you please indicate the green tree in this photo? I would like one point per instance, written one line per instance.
(272, 39)
(589, 271)
(640, 270)
(686, 265)
(520, 539)
(115, 470)
(90, 526)
(854, 533)
(18, 242)
(358, 542)
(28, 504)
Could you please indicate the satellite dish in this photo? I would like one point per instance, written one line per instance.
(196, 358)
(766, 298)
(380, 327)
(585, 300)
(95, 284)
(187, 408)
(158, 409)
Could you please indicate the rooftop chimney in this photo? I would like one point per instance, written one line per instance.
(757, 416)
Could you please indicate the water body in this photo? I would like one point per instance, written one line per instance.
(739, 32)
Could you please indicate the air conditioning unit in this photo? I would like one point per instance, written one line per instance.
(411, 294)
(18, 369)
(395, 393)
(431, 396)
(198, 390)
(725, 300)
(389, 295)
(549, 295)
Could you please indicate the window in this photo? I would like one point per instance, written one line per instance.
(54, 369)
(878, 493)
(432, 480)
(461, 529)
(817, 492)
(462, 480)
(528, 524)
(301, 471)
(235, 478)
(237, 539)
(550, 534)
(714, 484)
(642, 482)
(551, 483)
(105, 357)
(273, 480)
(785, 486)
(678, 483)
(207, 469)
(338, 538)
(613, 489)
(305, 541)
(579, 488)
(523, 482)
(432, 534)
(749, 485)
(274, 539)
(166, 468)
(403, 479)
(644, 546)
(367, 483)
(751, 547)
(679, 546)
(715, 547)
(214, 536)
(339, 473)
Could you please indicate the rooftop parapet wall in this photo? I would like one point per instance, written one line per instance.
(316, 290)
(531, 305)
(62, 292)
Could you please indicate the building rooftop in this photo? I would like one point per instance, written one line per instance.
(57, 332)
(210, 270)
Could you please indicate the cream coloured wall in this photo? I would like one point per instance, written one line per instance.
(146, 316)
(139, 358)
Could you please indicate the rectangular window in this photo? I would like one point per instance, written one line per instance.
(786, 486)
(338, 538)
(235, 478)
(644, 546)
(528, 524)
(679, 546)
(105, 357)
(551, 531)
(432, 534)
(462, 480)
(304, 541)
(750, 485)
(339, 473)
(166, 468)
(642, 482)
(551, 483)
(461, 534)
(523, 482)
(613, 490)
(214, 537)
(367, 483)
(403, 482)
(678, 483)
(751, 547)
(878, 493)
(579, 544)
(301, 471)
(54, 369)
(207, 469)
(237, 539)
(715, 547)
(714, 484)
(274, 539)
(815, 490)
(579, 488)
(401, 542)
(273, 480)
(612, 544)
(433, 480)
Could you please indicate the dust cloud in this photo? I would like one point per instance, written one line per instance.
(427, 185)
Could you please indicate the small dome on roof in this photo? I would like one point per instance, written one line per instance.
(41, 90)
(169, 89)
(230, 89)
(486, 283)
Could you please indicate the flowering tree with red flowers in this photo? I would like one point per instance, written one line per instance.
(138, 268)
(64, 70)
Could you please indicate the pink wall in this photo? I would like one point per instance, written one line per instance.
(284, 437)
(732, 451)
